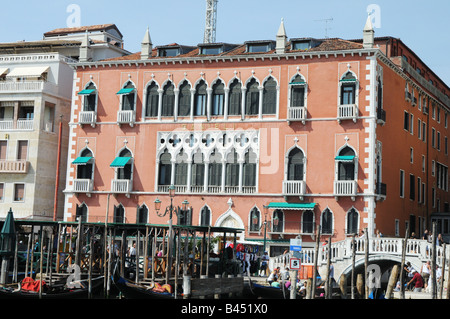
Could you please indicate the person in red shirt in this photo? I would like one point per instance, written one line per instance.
(418, 280)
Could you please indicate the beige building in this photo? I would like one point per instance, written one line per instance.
(36, 80)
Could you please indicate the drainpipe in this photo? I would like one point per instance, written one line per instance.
(58, 164)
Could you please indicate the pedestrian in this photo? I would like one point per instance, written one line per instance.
(132, 252)
(417, 280)
(425, 272)
(409, 275)
(425, 235)
(438, 277)
(264, 264)
(439, 240)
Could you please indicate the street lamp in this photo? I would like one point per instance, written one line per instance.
(169, 210)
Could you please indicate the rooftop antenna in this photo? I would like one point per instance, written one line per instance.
(210, 23)
(326, 25)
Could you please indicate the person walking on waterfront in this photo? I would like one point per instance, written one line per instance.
(132, 252)
(264, 264)
(417, 280)
(425, 272)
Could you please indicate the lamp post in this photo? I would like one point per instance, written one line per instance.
(169, 210)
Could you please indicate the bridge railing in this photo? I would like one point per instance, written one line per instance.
(342, 250)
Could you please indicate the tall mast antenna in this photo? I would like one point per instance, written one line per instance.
(211, 20)
(326, 25)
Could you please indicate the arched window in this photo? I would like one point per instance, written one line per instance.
(327, 222)
(218, 98)
(249, 169)
(198, 169)
(235, 98)
(352, 222)
(295, 165)
(82, 212)
(297, 92)
(346, 164)
(125, 172)
(277, 221)
(184, 99)
(119, 214)
(165, 168)
(255, 219)
(252, 98)
(168, 100)
(128, 97)
(181, 168)
(142, 215)
(90, 98)
(380, 95)
(308, 222)
(184, 216)
(151, 105)
(232, 169)
(348, 89)
(205, 216)
(215, 169)
(84, 171)
(270, 97)
(200, 99)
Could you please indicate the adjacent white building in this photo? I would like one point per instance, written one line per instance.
(36, 80)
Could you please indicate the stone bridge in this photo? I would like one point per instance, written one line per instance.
(385, 252)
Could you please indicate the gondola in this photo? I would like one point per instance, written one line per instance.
(130, 290)
(56, 291)
(264, 291)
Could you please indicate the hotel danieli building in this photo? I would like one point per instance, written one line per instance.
(275, 137)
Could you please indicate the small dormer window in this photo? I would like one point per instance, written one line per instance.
(301, 45)
(169, 52)
(304, 43)
(259, 47)
(211, 50)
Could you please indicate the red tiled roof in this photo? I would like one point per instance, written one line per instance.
(81, 29)
(326, 45)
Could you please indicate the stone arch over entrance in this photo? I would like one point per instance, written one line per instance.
(232, 220)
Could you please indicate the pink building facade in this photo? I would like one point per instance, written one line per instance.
(272, 137)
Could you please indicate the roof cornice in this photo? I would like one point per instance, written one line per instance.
(229, 58)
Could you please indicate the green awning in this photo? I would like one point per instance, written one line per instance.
(125, 91)
(293, 206)
(81, 160)
(345, 158)
(86, 92)
(120, 162)
(348, 80)
(297, 83)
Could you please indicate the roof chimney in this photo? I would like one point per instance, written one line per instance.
(368, 34)
(85, 49)
(281, 39)
(146, 45)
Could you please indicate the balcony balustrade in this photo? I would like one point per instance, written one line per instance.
(17, 167)
(347, 112)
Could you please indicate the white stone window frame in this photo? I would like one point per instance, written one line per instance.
(346, 220)
(144, 104)
(356, 83)
(131, 162)
(217, 143)
(134, 92)
(305, 86)
(286, 162)
(332, 219)
(83, 100)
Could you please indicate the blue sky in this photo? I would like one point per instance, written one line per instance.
(421, 25)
